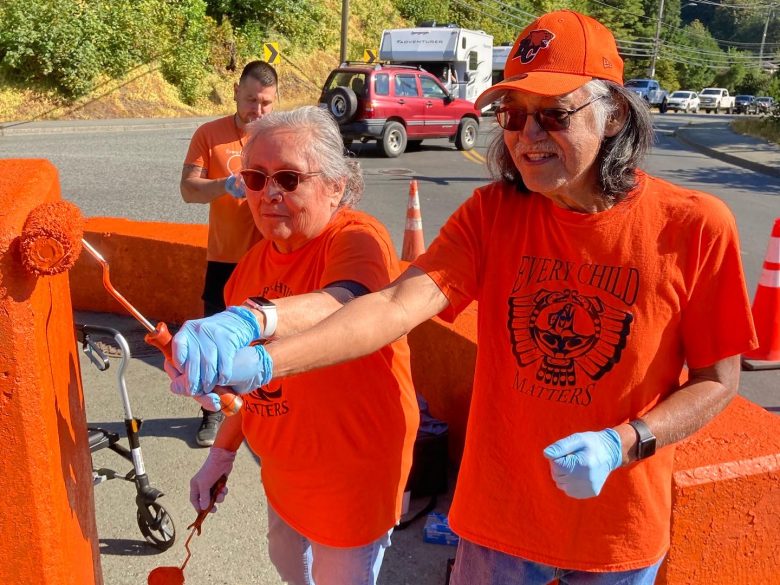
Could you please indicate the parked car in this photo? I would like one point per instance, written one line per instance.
(716, 99)
(398, 106)
(683, 101)
(651, 92)
(744, 104)
(764, 104)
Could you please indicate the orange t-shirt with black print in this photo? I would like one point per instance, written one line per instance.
(216, 146)
(584, 323)
(335, 444)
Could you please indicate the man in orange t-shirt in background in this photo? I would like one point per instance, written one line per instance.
(596, 284)
(210, 175)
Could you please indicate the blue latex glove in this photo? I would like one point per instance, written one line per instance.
(219, 462)
(204, 349)
(580, 463)
(178, 385)
(234, 185)
(252, 368)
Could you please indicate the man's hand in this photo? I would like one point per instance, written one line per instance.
(204, 349)
(580, 463)
(252, 368)
(234, 185)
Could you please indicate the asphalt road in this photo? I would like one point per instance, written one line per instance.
(134, 173)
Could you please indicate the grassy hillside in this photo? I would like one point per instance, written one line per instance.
(145, 93)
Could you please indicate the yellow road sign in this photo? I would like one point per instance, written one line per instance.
(369, 56)
(271, 53)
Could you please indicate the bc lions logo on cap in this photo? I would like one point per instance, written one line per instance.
(532, 44)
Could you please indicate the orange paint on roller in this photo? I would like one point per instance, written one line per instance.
(51, 238)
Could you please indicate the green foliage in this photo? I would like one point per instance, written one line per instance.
(416, 11)
(697, 53)
(70, 45)
(299, 21)
(184, 61)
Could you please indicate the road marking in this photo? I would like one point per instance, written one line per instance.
(474, 156)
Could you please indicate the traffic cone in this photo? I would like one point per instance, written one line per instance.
(766, 310)
(414, 244)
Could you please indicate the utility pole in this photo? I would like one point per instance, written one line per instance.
(344, 25)
(656, 44)
(763, 40)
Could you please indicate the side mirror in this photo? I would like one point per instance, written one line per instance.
(467, 76)
(448, 98)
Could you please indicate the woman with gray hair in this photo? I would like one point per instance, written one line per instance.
(335, 445)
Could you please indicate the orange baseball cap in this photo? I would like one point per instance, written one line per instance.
(557, 53)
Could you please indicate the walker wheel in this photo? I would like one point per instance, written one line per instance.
(161, 532)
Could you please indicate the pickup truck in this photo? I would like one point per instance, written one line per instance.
(650, 91)
(716, 99)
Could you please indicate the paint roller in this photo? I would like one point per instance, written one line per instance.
(51, 241)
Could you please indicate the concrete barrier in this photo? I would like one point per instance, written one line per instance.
(47, 524)
(726, 485)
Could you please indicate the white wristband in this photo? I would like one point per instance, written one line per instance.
(268, 309)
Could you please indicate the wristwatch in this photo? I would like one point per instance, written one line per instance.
(268, 309)
(645, 445)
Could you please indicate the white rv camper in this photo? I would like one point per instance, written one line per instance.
(459, 57)
(500, 56)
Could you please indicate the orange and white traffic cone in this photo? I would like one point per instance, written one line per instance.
(766, 310)
(414, 244)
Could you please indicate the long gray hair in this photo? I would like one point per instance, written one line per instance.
(619, 155)
(319, 140)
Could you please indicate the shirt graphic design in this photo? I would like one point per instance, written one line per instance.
(566, 339)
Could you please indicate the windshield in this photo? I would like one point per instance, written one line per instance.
(744, 98)
(637, 83)
(682, 94)
(710, 92)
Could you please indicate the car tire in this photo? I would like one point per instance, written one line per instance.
(663, 107)
(393, 139)
(342, 103)
(466, 138)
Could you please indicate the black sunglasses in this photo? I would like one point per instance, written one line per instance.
(286, 180)
(549, 119)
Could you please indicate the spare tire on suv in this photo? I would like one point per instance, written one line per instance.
(342, 103)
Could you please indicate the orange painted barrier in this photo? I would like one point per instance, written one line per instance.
(414, 243)
(48, 521)
(766, 309)
(726, 490)
(158, 267)
(726, 501)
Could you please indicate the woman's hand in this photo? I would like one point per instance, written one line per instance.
(218, 463)
(204, 349)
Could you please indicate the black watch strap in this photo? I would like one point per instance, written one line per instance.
(645, 445)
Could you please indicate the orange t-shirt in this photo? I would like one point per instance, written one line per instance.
(216, 146)
(584, 323)
(336, 443)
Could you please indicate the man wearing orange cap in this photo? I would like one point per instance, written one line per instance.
(596, 283)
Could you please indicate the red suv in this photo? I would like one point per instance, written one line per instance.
(398, 106)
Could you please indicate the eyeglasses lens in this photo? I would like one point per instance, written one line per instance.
(548, 119)
(285, 180)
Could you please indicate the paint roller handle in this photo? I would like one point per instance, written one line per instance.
(161, 338)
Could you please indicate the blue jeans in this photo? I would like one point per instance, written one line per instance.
(299, 561)
(475, 564)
